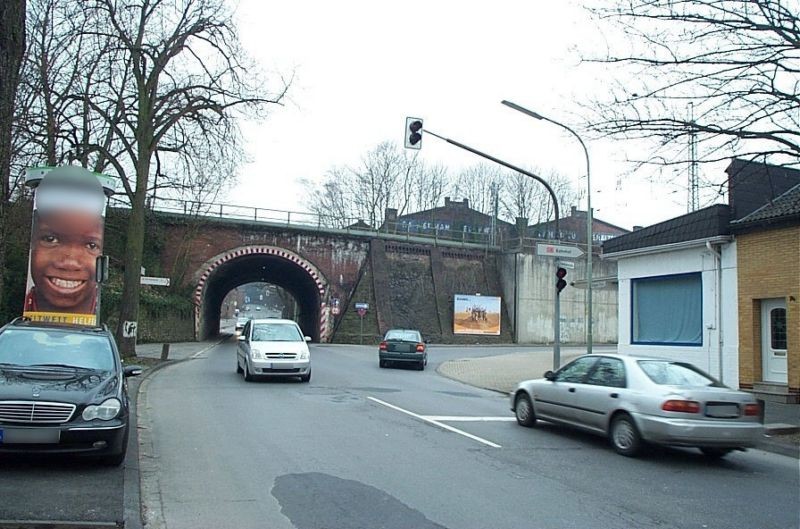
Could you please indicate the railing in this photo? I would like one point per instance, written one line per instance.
(431, 230)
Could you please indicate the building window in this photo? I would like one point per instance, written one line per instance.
(667, 310)
(778, 328)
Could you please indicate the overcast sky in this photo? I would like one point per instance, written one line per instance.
(361, 67)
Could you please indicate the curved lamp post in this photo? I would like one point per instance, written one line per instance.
(589, 238)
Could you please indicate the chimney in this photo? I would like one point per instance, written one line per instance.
(573, 211)
(466, 203)
(636, 228)
(447, 202)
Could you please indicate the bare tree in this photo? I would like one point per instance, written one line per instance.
(172, 81)
(478, 184)
(734, 61)
(12, 50)
(387, 177)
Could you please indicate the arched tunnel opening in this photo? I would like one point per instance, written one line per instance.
(260, 268)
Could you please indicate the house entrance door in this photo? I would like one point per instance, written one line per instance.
(773, 340)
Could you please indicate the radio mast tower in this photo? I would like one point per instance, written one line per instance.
(693, 202)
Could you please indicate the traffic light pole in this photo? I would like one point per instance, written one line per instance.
(508, 165)
(557, 333)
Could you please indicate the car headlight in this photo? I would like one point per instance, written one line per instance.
(304, 355)
(105, 411)
(256, 353)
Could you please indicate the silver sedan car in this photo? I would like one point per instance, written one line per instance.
(635, 400)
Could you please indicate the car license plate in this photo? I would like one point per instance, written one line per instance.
(29, 436)
(722, 411)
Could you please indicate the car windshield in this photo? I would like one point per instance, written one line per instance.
(403, 336)
(668, 373)
(276, 332)
(45, 347)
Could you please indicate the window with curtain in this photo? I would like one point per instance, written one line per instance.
(667, 310)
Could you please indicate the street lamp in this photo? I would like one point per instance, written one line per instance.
(589, 237)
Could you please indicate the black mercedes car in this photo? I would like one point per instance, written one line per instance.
(63, 390)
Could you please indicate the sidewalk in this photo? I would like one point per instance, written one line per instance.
(502, 373)
(177, 351)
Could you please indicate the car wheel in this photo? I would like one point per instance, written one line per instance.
(382, 363)
(306, 378)
(715, 453)
(624, 436)
(238, 366)
(523, 409)
(246, 371)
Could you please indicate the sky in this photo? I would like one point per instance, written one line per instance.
(360, 67)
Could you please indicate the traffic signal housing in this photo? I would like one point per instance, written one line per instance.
(561, 273)
(413, 138)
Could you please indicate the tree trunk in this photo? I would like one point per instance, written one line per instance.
(129, 304)
(12, 51)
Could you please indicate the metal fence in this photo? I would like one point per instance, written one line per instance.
(319, 222)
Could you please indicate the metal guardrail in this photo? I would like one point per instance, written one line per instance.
(318, 222)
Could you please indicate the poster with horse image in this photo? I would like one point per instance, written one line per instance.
(476, 315)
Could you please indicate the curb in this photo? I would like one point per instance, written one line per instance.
(769, 444)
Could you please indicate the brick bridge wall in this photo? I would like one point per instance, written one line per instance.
(408, 285)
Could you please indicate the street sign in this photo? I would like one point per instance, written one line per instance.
(364, 306)
(362, 312)
(155, 281)
(569, 265)
(558, 250)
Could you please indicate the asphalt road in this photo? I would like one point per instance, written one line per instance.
(364, 447)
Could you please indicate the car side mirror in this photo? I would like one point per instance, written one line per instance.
(132, 371)
(307, 338)
(549, 375)
(241, 338)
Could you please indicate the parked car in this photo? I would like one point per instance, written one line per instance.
(636, 400)
(403, 346)
(63, 390)
(273, 347)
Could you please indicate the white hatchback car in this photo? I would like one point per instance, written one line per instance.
(273, 347)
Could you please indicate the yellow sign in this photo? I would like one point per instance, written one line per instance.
(89, 320)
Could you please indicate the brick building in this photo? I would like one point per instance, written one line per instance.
(768, 259)
(455, 220)
(573, 229)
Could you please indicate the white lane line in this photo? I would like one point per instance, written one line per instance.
(459, 418)
(435, 423)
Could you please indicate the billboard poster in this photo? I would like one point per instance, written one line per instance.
(476, 315)
(66, 239)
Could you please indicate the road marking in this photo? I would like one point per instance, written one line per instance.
(459, 418)
(436, 423)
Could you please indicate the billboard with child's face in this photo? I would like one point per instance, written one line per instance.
(66, 240)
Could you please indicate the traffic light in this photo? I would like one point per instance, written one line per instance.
(413, 138)
(561, 273)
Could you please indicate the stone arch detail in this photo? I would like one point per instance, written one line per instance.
(325, 321)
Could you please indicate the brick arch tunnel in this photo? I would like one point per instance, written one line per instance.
(266, 264)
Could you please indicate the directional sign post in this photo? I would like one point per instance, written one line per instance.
(154, 281)
(558, 250)
(361, 308)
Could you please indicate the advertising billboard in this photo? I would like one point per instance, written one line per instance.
(476, 315)
(66, 239)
